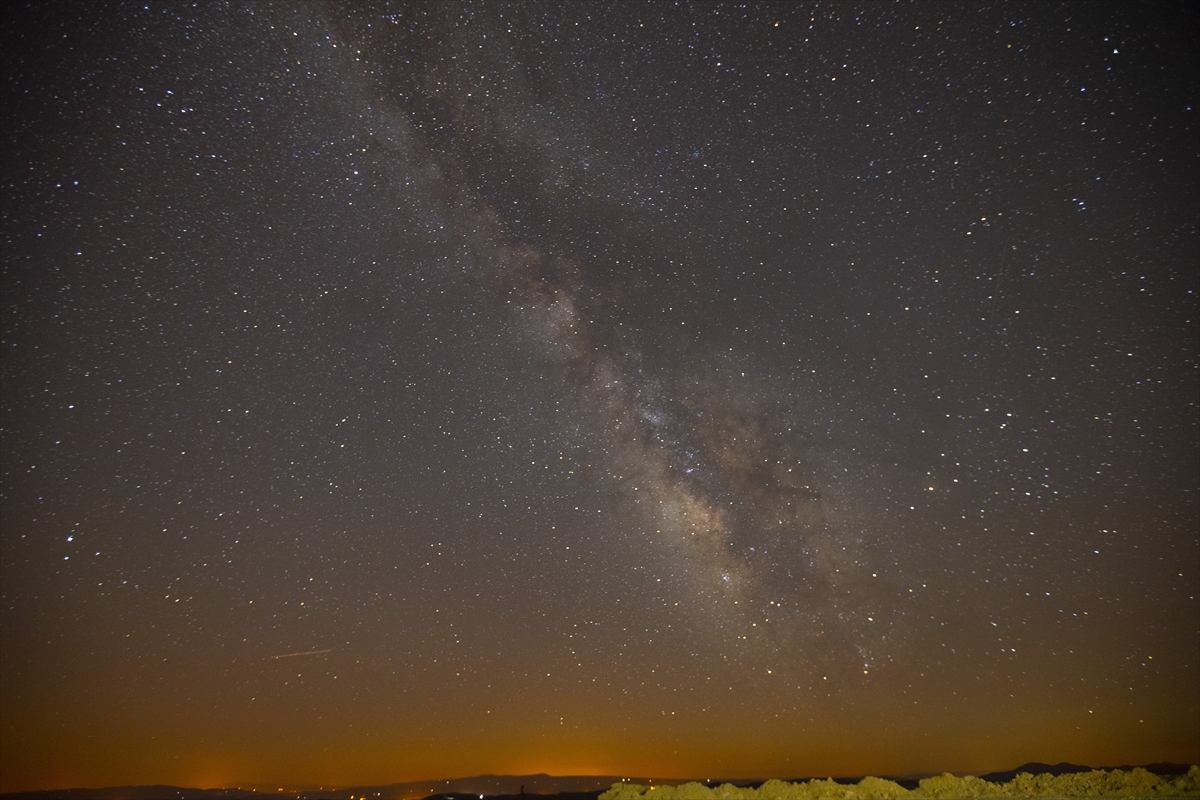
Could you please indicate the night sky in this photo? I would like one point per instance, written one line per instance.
(674, 389)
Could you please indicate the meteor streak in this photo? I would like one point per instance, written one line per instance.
(305, 653)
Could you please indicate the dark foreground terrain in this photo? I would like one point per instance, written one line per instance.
(590, 787)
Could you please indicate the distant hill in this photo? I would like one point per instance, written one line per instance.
(132, 793)
(497, 785)
(494, 786)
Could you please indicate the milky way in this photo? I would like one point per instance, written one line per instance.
(731, 477)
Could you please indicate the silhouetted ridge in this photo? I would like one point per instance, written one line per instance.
(135, 793)
(1038, 768)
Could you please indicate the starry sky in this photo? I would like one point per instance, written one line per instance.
(421, 390)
